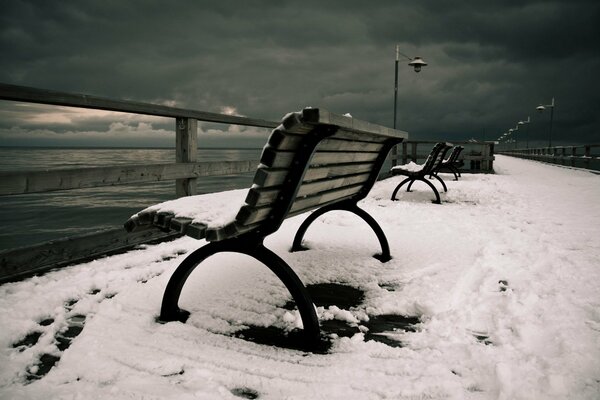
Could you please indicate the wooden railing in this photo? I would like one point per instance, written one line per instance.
(21, 262)
(477, 156)
(16, 263)
(584, 156)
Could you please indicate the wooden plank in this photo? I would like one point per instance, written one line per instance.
(22, 262)
(282, 159)
(252, 215)
(52, 97)
(329, 158)
(21, 182)
(308, 203)
(266, 177)
(285, 141)
(260, 196)
(334, 144)
(321, 116)
(230, 230)
(359, 136)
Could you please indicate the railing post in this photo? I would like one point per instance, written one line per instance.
(186, 151)
(404, 153)
(414, 151)
(588, 155)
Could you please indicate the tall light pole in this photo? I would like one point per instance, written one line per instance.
(541, 108)
(417, 63)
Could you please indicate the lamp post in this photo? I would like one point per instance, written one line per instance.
(514, 135)
(541, 108)
(527, 131)
(417, 63)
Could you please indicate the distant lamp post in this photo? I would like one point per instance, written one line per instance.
(417, 63)
(513, 134)
(527, 131)
(540, 109)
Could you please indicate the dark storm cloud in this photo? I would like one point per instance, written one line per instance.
(489, 64)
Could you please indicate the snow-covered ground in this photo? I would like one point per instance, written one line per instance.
(504, 278)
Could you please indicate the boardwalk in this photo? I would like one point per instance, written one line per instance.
(499, 285)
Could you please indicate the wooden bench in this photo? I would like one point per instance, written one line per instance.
(451, 164)
(314, 160)
(419, 172)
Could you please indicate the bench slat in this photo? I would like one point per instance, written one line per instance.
(311, 203)
(262, 196)
(252, 215)
(274, 177)
(283, 159)
(284, 141)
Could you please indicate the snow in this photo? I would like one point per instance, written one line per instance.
(410, 167)
(503, 277)
(214, 210)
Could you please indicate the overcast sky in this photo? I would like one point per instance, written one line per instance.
(489, 66)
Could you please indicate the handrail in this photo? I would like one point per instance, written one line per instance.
(25, 182)
(563, 155)
(53, 97)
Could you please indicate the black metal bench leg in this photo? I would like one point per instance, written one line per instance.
(170, 310)
(296, 288)
(437, 200)
(297, 243)
(353, 208)
(385, 247)
(455, 171)
(398, 188)
(442, 182)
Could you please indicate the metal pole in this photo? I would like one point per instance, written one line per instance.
(396, 85)
(551, 119)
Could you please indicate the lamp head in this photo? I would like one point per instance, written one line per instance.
(540, 108)
(417, 63)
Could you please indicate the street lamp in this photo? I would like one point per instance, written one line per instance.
(527, 131)
(417, 63)
(541, 108)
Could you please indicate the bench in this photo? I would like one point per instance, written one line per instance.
(315, 160)
(451, 164)
(415, 172)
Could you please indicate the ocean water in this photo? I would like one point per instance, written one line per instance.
(34, 218)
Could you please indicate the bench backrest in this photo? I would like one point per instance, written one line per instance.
(454, 154)
(314, 158)
(435, 157)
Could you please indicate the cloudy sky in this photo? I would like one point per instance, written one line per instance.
(490, 65)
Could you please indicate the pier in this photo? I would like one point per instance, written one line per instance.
(492, 294)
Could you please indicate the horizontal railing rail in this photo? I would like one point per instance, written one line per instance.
(582, 156)
(19, 262)
(25, 182)
(56, 98)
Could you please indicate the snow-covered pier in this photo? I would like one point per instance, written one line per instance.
(498, 289)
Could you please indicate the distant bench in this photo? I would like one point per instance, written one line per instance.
(314, 160)
(414, 172)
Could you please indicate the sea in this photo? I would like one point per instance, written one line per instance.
(34, 218)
